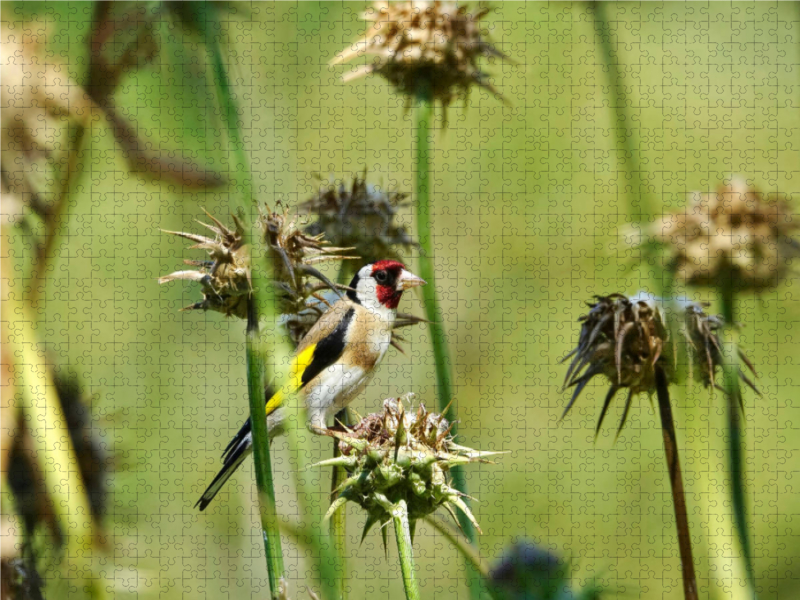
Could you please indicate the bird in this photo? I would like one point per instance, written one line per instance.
(334, 361)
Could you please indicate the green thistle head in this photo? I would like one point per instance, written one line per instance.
(400, 455)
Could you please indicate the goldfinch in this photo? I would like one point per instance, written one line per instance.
(334, 361)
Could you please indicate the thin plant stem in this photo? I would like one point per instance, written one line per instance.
(733, 395)
(642, 206)
(424, 117)
(676, 484)
(310, 502)
(57, 461)
(338, 522)
(402, 532)
(259, 347)
(466, 549)
(56, 219)
(338, 525)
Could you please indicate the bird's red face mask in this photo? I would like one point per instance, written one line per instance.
(392, 279)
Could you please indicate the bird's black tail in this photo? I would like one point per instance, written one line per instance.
(234, 455)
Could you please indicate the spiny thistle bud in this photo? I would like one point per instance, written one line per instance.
(398, 455)
(360, 216)
(627, 339)
(424, 48)
(735, 235)
(226, 280)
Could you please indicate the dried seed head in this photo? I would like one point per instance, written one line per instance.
(26, 481)
(225, 277)
(359, 216)
(424, 48)
(293, 255)
(627, 339)
(39, 104)
(400, 454)
(735, 234)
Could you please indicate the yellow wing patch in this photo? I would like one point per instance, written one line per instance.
(299, 365)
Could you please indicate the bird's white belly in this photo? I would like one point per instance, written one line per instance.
(338, 385)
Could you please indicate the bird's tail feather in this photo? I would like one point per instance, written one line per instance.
(238, 449)
(221, 478)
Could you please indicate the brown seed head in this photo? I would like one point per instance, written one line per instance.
(735, 233)
(627, 339)
(225, 277)
(424, 48)
(359, 216)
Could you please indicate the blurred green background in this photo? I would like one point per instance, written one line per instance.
(530, 202)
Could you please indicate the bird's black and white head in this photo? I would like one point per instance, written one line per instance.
(380, 286)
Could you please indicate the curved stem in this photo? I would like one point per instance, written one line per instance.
(466, 549)
(733, 395)
(402, 532)
(338, 527)
(441, 353)
(259, 348)
(676, 484)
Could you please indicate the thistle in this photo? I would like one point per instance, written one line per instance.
(735, 234)
(226, 278)
(628, 339)
(424, 48)
(359, 216)
(400, 455)
(526, 571)
(642, 344)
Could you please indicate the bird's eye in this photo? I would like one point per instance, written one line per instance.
(381, 277)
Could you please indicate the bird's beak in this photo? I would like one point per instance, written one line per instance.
(408, 280)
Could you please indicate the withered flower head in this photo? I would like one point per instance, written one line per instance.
(293, 255)
(424, 48)
(627, 339)
(226, 281)
(735, 234)
(40, 103)
(225, 277)
(398, 455)
(359, 216)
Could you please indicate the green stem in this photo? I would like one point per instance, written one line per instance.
(338, 525)
(642, 207)
(424, 117)
(57, 461)
(676, 485)
(310, 501)
(261, 305)
(256, 386)
(466, 549)
(733, 395)
(402, 532)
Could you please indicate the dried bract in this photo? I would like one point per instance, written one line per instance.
(627, 339)
(226, 281)
(293, 255)
(225, 277)
(735, 234)
(424, 48)
(400, 455)
(359, 216)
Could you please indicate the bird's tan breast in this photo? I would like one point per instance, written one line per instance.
(369, 339)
